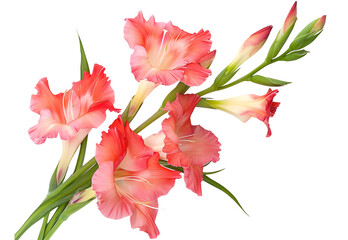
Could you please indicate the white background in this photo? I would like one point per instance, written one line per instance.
(293, 184)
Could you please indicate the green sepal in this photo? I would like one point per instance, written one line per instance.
(305, 37)
(204, 104)
(224, 76)
(53, 182)
(294, 55)
(278, 44)
(266, 81)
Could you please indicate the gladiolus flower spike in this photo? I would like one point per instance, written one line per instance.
(128, 173)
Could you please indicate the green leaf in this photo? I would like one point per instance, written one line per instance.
(223, 189)
(294, 55)
(71, 209)
(207, 180)
(266, 81)
(84, 64)
(208, 173)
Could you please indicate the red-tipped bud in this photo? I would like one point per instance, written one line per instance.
(319, 25)
(250, 47)
(290, 19)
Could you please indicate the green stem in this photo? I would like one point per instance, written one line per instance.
(82, 153)
(180, 88)
(71, 186)
(43, 227)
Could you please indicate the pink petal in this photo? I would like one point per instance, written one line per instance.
(113, 147)
(143, 69)
(195, 74)
(49, 127)
(110, 203)
(151, 183)
(144, 216)
(193, 176)
(44, 99)
(137, 31)
(137, 152)
(202, 147)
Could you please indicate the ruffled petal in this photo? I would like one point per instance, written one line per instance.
(151, 183)
(137, 31)
(113, 147)
(49, 127)
(201, 147)
(195, 74)
(193, 176)
(45, 99)
(144, 216)
(137, 152)
(110, 202)
(94, 89)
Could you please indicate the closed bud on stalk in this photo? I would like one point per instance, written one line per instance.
(308, 34)
(251, 46)
(283, 33)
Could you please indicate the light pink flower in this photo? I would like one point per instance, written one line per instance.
(165, 54)
(186, 145)
(71, 114)
(130, 179)
(247, 106)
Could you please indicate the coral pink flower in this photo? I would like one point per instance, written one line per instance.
(247, 106)
(71, 114)
(185, 145)
(164, 53)
(130, 179)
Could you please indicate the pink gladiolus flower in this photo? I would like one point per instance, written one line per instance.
(165, 54)
(71, 114)
(251, 46)
(186, 145)
(130, 179)
(247, 106)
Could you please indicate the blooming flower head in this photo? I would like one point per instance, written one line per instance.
(130, 179)
(71, 114)
(247, 106)
(165, 54)
(183, 144)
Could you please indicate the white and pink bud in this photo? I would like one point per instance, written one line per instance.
(83, 196)
(251, 46)
(246, 106)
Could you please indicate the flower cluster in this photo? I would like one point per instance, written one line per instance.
(129, 173)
